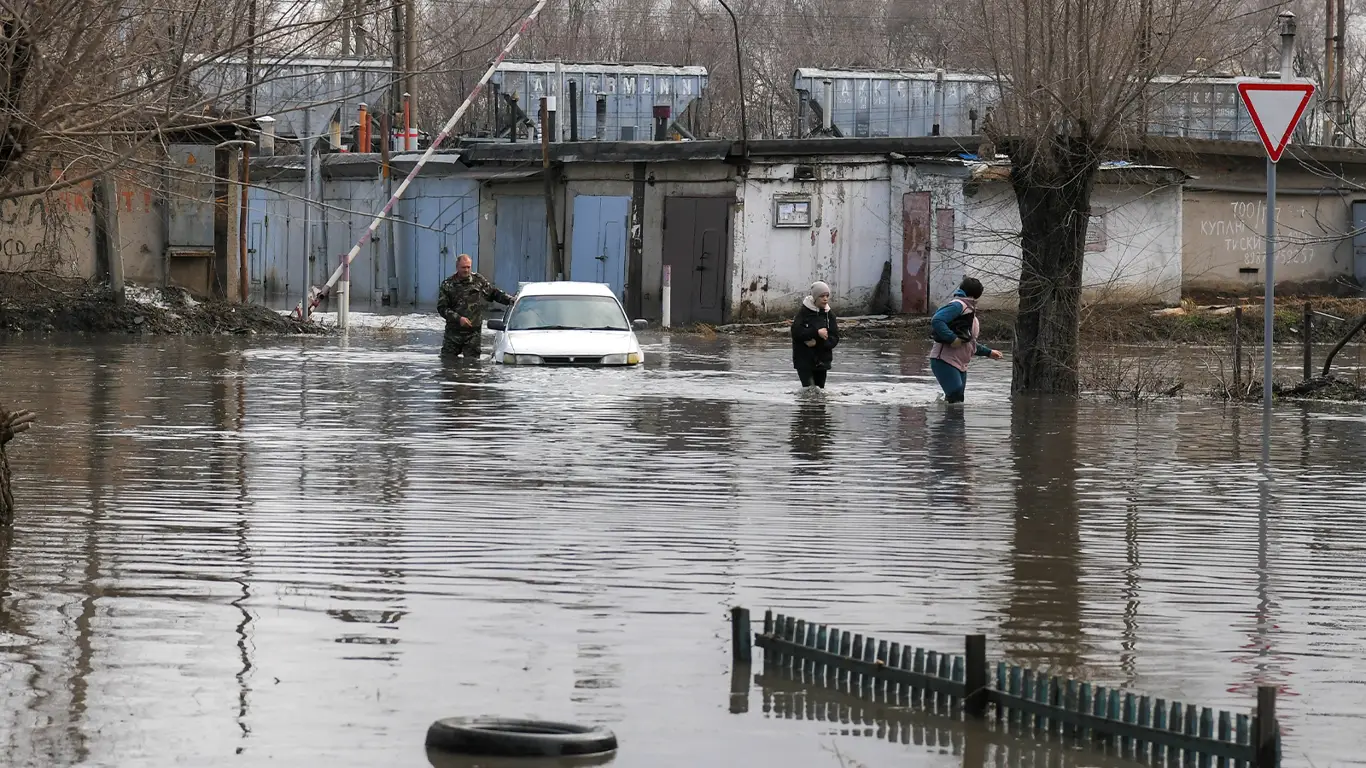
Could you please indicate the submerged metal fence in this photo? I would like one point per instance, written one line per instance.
(1136, 726)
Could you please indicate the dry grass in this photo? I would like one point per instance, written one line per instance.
(1136, 378)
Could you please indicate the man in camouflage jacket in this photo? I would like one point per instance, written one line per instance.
(461, 302)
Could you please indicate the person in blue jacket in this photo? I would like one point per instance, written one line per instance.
(954, 329)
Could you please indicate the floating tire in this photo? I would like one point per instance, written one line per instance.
(518, 738)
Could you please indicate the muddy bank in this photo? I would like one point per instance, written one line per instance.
(45, 304)
(1320, 388)
(1189, 323)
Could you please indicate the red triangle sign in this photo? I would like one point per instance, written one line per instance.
(1275, 108)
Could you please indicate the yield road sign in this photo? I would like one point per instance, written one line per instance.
(1275, 109)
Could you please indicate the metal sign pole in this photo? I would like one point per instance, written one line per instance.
(1268, 309)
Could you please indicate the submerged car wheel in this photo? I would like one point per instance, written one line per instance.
(518, 738)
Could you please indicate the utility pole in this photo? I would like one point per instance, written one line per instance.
(396, 65)
(1145, 58)
(410, 55)
(1330, 104)
(243, 264)
(347, 10)
(1338, 71)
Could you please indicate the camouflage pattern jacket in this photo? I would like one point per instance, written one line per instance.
(467, 298)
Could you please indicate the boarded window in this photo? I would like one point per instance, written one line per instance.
(1096, 241)
(943, 228)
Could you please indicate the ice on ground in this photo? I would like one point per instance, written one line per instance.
(141, 294)
(416, 321)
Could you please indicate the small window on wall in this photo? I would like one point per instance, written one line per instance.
(943, 228)
(1095, 231)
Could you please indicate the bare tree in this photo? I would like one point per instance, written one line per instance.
(1071, 74)
(88, 85)
(11, 423)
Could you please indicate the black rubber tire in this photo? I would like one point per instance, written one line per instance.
(518, 738)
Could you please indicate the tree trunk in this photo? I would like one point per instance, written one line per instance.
(6, 498)
(11, 424)
(1053, 187)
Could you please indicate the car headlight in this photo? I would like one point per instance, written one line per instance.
(630, 358)
(511, 359)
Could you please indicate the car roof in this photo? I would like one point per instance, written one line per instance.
(566, 288)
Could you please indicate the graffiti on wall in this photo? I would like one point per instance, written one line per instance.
(1233, 233)
(56, 232)
(42, 232)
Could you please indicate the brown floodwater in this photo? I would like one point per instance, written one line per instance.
(301, 552)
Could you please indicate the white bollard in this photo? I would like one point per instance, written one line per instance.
(344, 295)
(666, 297)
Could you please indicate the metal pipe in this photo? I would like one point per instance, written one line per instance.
(243, 272)
(386, 124)
(661, 115)
(363, 130)
(267, 124)
(1287, 24)
(344, 296)
(938, 102)
(555, 130)
(666, 299)
(573, 110)
(549, 127)
(431, 149)
(828, 108)
(408, 144)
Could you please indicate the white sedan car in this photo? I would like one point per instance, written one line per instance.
(566, 323)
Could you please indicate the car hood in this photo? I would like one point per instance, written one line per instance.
(575, 343)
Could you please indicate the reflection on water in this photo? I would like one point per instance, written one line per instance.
(937, 738)
(302, 552)
(1043, 616)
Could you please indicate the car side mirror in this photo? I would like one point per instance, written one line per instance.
(640, 322)
(497, 325)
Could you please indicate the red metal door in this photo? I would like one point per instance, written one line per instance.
(915, 253)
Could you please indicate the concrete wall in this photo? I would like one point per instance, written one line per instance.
(1225, 224)
(845, 245)
(1134, 255)
(57, 232)
(948, 262)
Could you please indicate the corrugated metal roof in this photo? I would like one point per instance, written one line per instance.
(592, 66)
(290, 61)
(819, 73)
(1110, 172)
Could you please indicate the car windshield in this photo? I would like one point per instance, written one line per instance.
(567, 313)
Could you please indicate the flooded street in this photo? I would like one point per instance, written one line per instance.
(301, 552)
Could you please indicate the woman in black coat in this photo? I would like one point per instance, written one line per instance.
(815, 332)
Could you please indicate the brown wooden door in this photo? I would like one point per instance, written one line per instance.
(915, 253)
(697, 251)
